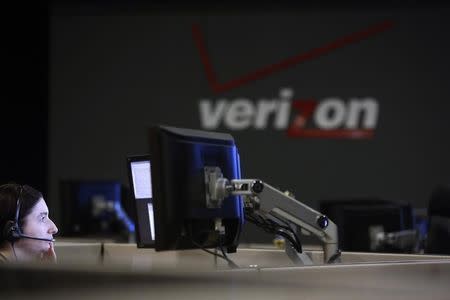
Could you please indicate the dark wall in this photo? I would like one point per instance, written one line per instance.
(24, 104)
(115, 70)
(114, 73)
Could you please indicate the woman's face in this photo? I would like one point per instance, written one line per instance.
(37, 224)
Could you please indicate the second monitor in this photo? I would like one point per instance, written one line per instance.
(139, 172)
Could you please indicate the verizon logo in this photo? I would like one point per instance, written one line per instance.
(330, 117)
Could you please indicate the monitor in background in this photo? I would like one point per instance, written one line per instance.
(139, 173)
(93, 208)
(359, 218)
(182, 218)
(438, 239)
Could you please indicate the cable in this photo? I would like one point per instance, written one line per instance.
(14, 250)
(334, 258)
(206, 250)
(231, 264)
(270, 226)
(290, 239)
(288, 227)
(298, 243)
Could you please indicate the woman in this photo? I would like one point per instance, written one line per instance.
(26, 231)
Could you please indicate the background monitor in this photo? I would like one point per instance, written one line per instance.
(438, 240)
(357, 218)
(95, 208)
(182, 219)
(139, 171)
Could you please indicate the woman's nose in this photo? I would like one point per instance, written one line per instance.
(53, 229)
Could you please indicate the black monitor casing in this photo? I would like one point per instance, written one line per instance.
(182, 219)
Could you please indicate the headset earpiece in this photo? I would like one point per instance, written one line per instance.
(11, 231)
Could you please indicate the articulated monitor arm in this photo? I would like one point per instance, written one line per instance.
(276, 205)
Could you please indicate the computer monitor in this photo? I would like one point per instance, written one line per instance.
(93, 208)
(139, 173)
(182, 218)
(356, 218)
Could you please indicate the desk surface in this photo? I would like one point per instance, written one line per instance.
(401, 280)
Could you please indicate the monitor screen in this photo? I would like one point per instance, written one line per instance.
(142, 185)
(182, 218)
(139, 170)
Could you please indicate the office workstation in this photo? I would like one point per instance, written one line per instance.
(235, 152)
(188, 220)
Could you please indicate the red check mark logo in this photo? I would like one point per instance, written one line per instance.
(283, 64)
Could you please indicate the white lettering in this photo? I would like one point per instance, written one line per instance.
(210, 117)
(284, 108)
(239, 115)
(265, 108)
(330, 113)
(358, 107)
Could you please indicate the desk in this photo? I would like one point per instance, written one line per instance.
(407, 280)
(418, 277)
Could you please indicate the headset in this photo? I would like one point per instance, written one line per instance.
(12, 231)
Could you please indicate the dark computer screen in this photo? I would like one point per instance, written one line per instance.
(357, 218)
(139, 171)
(93, 208)
(182, 218)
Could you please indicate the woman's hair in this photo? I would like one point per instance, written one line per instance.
(9, 194)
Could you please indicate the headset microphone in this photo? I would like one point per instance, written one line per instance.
(12, 233)
(35, 238)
